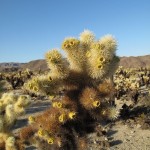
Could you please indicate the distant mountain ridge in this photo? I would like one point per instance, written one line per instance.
(127, 62)
(9, 65)
(135, 61)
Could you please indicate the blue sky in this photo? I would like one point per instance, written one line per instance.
(29, 28)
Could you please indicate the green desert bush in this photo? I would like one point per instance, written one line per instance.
(84, 80)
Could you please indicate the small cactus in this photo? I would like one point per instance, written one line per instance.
(11, 107)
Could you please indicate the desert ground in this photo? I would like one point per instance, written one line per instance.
(120, 134)
(130, 131)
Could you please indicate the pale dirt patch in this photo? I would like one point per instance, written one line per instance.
(120, 136)
(126, 138)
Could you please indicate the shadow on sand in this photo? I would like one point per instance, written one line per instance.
(34, 108)
(112, 142)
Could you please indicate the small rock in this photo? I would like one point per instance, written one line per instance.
(132, 132)
(106, 139)
(138, 126)
(94, 142)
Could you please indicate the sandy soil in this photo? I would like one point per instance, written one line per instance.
(123, 137)
(119, 135)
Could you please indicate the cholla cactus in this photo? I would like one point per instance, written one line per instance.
(11, 107)
(128, 81)
(1, 86)
(10, 143)
(16, 79)
(83, 80)
(131, 84)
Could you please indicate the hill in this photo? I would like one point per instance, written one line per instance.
(10, 66)
(36, 65)
(135, 62)
(127, 62)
